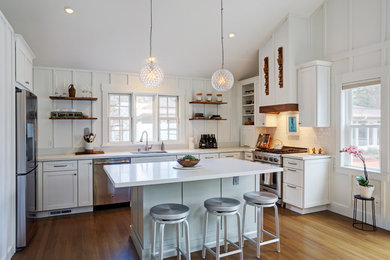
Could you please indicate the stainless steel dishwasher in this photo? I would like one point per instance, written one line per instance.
(104, 192)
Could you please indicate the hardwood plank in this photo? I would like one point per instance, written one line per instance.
(105, 235)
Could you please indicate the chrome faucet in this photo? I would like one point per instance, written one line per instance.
(147, 147)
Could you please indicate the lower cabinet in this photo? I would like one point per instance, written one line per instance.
(208, 156)
(306, 182)
(59, 189)
(65, 184)
(236, 155)
(85, 183)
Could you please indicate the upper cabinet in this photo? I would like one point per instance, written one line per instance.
(24, 63)
(314, 94)
(250, 100)
(287, 47)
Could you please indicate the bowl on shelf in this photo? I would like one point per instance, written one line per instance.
(188, 161)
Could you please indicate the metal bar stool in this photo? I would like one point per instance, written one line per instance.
(170, 214)
(222, 207)
(261, 200)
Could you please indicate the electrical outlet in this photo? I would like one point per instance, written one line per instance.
(236, 180)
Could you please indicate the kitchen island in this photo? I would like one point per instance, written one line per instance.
(156, 183)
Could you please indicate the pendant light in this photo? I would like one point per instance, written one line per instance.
(151, 74)
(222, 79)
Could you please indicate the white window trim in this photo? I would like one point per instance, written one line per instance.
(111, 89)
(384, 76)
(179, 128)
(124, 89)
(152, 139)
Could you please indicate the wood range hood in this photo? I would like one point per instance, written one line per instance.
(276, 109)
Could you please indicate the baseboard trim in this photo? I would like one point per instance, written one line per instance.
(63, 212)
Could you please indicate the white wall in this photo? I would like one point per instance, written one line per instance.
(7, 142)
(356, 38)
(66, 136)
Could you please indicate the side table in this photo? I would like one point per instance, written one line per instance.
(363, 225)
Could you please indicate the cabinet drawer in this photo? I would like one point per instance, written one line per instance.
(209, 156)
(59, 166)
(293, 176)
(230, 155)
(248, 156)
(293, 195)
(293, 163)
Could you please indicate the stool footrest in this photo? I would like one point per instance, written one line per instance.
(155, 256)
(274, 240)
(223, 254)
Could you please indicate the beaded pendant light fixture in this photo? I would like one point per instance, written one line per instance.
(222, 79)
(151, 74)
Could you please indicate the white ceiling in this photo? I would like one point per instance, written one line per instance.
(113, 34)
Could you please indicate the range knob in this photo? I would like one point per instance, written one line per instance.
(265, 158)
(275, 159)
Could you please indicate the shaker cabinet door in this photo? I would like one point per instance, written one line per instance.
(59, 190)
(85, 183)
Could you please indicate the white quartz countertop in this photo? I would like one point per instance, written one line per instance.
(142, 174)
(306, 156)
(134, 154)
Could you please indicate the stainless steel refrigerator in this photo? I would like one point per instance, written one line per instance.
(26, 166)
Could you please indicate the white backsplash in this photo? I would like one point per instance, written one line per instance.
(309, 137)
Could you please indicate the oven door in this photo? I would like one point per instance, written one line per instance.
(272, 182)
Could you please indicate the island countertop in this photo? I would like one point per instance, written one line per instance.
(143, 174)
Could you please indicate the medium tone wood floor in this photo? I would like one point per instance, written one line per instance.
(105, 235)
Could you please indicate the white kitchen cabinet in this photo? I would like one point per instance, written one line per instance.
(59, 189)
(85, 183)
(306, 182)
(208, 156)
(236, 155)
(289, 43)
(248, 156)
(314, 94)
(24, 63)
(248, 136)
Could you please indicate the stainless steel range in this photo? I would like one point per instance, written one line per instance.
(273, 182)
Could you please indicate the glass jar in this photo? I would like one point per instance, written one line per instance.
(198, 96)
(219, 97)
(208, 97)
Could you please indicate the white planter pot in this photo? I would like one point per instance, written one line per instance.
(366, 191)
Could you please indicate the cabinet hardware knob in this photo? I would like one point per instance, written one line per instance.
(27, 82)
(75, 174)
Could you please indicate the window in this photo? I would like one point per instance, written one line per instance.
(363, 122)
(119, 117)
(144, 116)
(129, 114)
(168, 118)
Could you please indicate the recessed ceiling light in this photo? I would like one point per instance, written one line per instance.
(232, 35)
(69, 10)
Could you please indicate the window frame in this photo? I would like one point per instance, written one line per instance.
(349, 127)
(178, 128)
(109, 118)
(118, 89)
(338, 119)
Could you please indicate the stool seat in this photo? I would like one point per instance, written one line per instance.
(170, 211)
(222, 204)
(260, 197)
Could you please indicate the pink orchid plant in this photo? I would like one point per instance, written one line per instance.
(356, 152)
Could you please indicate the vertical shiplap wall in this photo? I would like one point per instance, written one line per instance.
(356, 38)
(56, 136)
(7, 142)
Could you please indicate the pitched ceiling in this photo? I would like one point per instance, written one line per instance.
(113, 35)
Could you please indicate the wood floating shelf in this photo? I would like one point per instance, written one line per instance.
(208, 102)
(89, 118)
(74, 98)
(208, 119)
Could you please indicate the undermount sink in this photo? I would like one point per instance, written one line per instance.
(150, 152)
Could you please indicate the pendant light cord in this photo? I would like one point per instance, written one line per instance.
(151, 29)
(223, 51)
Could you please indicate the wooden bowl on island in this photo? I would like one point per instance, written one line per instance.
(188, 161)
